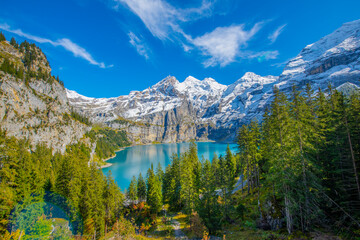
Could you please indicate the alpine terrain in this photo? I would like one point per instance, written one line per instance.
(173, 111)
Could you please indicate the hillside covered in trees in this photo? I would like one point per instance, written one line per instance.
(296, 174)
(299, 174)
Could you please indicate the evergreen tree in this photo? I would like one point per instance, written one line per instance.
(159, 172)
(172, 184)
(278, 145)
(187, 182)
(132, 191)
(141, 188)
(154, 191)
(14, 43)
(113, 199)
(2, 37)
(208, 207)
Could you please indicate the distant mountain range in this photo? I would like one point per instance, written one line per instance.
(172, 111)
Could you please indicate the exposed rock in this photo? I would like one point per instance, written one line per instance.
(36, 108)
(173, 111)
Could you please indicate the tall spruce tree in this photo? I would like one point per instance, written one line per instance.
(132, 190)
(141, 188)
(154, 191)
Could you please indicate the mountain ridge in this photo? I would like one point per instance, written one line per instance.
(210, 110)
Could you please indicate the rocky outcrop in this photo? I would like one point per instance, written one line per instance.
(171, 111)
(34, 104)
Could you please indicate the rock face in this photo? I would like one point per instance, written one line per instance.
(333, 59)
(171, 111)
(33, 104)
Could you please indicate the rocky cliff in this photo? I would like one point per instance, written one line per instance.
(34, 104)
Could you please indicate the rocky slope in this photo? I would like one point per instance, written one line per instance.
(34, 104)
(173, 111)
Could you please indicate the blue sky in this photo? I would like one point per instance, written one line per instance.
(106, 48)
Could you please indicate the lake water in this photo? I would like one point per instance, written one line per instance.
(133, 160)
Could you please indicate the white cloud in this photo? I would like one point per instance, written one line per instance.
(140, 47)
(20, 33)
(263, 56)
(223, 45)
(64, 42)
(273, 36)
(161, 18)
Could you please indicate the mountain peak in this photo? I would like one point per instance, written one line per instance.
(324, 56)
(168, 81)
(249, 80)
(191, 79)
(250, 75)
(166, 86)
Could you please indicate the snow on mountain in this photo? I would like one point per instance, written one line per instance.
(208, 109)
(211, 102)
(241, 100)
(334, 58)
(163, 96)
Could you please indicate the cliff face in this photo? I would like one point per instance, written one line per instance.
(172, 111)
(174, 125)
(33, 104)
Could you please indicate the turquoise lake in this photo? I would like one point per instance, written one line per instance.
(137, 159)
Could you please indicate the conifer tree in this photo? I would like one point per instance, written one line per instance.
(14, 43)
(154, 191)
(141, 188)
(187, 181)
(208, 206)
(2, 37)
(278, 145)
(172, 184)
(113, 199)
(132, 191)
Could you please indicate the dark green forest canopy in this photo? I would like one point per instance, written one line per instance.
(300, 165)
(91, 201)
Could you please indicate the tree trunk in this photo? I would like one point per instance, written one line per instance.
(304, 182)
(289, 221)
(352, 157)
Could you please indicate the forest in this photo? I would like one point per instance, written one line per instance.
(295, 173)
(298, 169)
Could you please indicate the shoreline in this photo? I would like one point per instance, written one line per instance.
(107, 159)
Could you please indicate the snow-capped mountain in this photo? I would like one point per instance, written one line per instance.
(334, 58)
(172, 111)
(191, 109)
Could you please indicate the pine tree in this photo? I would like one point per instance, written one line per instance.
(159, 172)
(172, 184)
(2, 37)
(113, 199)
(141, 188)
(278, 146)
(132, 191)
(14, 43)
(208, 206)
(154, 191)
(187, 181)
(230, 167)
(304, 124)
